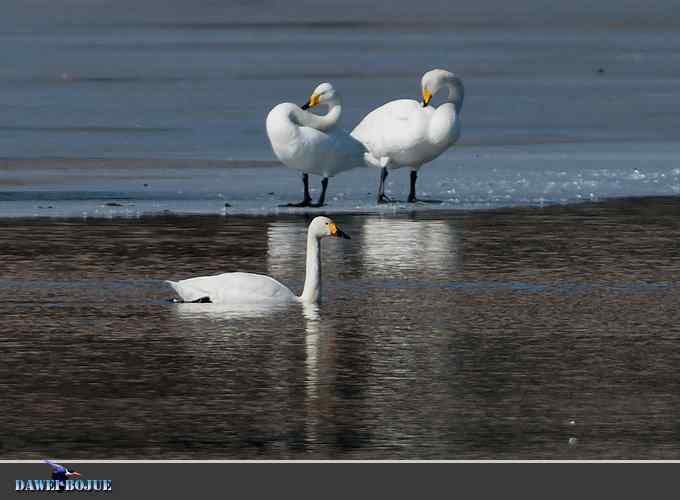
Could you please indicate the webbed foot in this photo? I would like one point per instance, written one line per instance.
(418, 200)
(302, 204)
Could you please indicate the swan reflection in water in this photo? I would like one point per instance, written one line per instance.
(223, 312)
(424, 246)
(320, 369)
(316, 334)
(319, 341)
(312, 345)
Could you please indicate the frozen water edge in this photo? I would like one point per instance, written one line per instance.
(464, 178)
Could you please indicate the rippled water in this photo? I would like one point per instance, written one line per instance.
(500, 334)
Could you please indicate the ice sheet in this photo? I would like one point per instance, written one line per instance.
(463, 178)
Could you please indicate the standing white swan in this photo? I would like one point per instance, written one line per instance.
(244, 288)
(405, 133)
(311, 143)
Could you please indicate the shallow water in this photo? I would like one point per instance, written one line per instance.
(445, 335)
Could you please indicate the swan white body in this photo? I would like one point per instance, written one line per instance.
(406, 133)
(311, 143)
(244, 288)
(230, 288)
(310, 150)
(403, 133)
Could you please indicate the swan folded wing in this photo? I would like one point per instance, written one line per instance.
(329, 153)
(394, 127)
(233, 288)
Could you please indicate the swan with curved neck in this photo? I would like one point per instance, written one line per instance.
(407, 133)
(313, 144)
(243, 288)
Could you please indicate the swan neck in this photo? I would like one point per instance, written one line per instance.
(456, 93)
(323, 122)
(312, 291)
(444, 126)
(332, 118)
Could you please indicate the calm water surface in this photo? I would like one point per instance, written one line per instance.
(500, 334)
(194, 81)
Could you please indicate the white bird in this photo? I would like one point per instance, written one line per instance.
(406, 133)
(244, 288)
(311, 143)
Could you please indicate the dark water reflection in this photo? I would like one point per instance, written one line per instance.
(449, 335)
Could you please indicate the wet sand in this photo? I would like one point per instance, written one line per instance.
(512, 333)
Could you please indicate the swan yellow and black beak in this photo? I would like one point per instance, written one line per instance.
(339, 233)
(311, 102)
(427, 96)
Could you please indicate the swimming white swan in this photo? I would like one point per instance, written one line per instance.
(311, 143)
(406, 133)
(243, 288)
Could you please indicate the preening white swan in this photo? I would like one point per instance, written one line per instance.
(406, 133)
(243, 288)
(311, 143)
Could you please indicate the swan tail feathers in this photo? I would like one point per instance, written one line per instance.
(372, 161)
(187, 294)
(176, 287)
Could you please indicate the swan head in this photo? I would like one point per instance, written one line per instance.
(324, 93)
(434, 80)
(322, 227)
